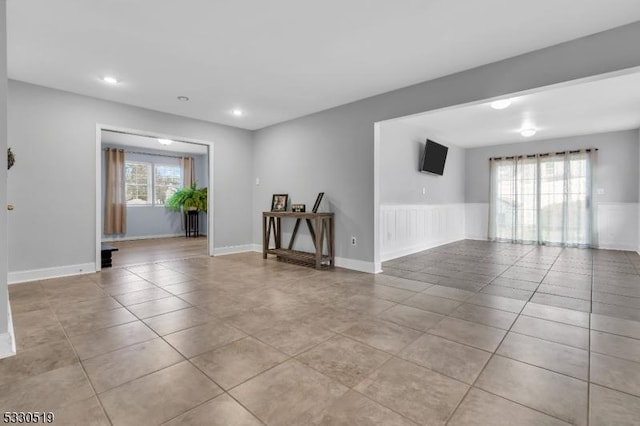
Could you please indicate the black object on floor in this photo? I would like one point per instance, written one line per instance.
(106, 255)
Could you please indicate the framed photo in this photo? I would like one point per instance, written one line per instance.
(279, 202)
(316, 205)
(299, 208)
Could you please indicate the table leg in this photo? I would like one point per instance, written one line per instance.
(293, 235)
(318, 244)
(265, 237)
(332, 242)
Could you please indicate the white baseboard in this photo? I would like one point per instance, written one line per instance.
(54, 272)
(243, 248)
(8, 340)
(616, 246)
(143, 237)
(358, 265)
(342, 262)
(418, 248)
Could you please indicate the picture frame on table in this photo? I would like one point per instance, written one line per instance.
(316, 205)
(279, 202)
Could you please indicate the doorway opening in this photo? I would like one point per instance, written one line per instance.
(152, 168)
(414, 211)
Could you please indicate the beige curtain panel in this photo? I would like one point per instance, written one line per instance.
(188, 177)
(188, 171)
(115, 215)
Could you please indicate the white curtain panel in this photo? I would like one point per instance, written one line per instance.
(542, 198)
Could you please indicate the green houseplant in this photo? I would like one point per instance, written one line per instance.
(188, 198)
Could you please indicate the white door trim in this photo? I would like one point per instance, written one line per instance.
(153, 134)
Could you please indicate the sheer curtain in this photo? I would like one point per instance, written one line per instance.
(115, 215)
(542, 198)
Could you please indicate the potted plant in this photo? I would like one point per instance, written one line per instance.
(188, 199)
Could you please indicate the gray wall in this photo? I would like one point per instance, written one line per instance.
(149, 221)
(616, 171)
(401, 149)
(53, 187)
(4, 299)
(333, 150)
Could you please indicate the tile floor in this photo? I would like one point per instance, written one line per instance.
(135, 252)
(471, 333)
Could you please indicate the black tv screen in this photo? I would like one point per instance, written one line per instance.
(435, 155)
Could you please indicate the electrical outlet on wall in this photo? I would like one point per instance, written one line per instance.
(424, 191)
(353, 241)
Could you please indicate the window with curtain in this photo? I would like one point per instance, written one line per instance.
(542, 198)
(151, 183)
(166, 181)
(138, 182)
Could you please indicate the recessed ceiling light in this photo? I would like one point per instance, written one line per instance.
(237, 112)
(165, 141)
(501, 104)
(183, 98)
(527, 133)
(110, 80)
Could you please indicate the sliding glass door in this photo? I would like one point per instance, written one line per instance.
(543, 198)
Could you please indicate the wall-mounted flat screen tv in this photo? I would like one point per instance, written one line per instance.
(435, 155)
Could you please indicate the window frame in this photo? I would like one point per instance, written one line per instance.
(154, 178)
(151, 181)
(149, 167)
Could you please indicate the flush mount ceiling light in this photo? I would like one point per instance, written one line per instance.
(165, 141)
(501, 104)
(237, 112)
(527, 133)
(110, 80)
(183, 98)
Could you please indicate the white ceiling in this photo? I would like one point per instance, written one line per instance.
(605, 105)
(278, 59)
(135, 141)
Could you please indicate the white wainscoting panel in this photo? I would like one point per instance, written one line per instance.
(406, 229)
(617, 225)
(477, 221)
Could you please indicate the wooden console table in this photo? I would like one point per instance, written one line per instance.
(321, 228)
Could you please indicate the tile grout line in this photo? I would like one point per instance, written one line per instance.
(392, 356)
(84, 370)
(225, 391)
(493, 354)
(593, 272)
(592, 278)
(336, 333)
